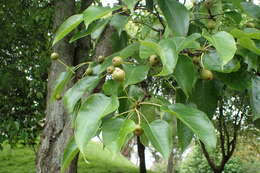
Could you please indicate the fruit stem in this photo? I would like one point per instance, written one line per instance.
(131, 110)
(138, 115)
(60, 61)
(149, 103)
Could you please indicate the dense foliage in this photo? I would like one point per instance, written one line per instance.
(24, 48)
(178, 61)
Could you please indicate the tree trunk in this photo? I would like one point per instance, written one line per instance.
(57, 129)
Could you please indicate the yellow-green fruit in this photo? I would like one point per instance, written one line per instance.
(118, 74)
(211, 24)
(117, 61)
(153, 60)
(138, 130)
(250, 25)
(206, 74)
(89, 71)
(196, 60)
(110, 69)
(208, 4)
(58, 97)
(55, 56)
(101, 59)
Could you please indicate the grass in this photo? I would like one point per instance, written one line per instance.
(21, 160)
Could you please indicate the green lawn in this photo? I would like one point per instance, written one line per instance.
(21, 160)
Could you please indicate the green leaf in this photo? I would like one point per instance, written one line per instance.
(70, 151)
(159, 134)
(177, 16)
(182, 43)
(111, 87)
(238, 80)
(135, 74)
(197, 121)
(98, 30)
(67, 26)
(185, 135)
(251, 9)
(73, 95)
(224, 44)
(119, 22)
(89, 118)
(254, 34)
(93, 13)
(255, 100)
(185, 74)
(130, 3)
(212, 61)
(136, 93)
(249, 44)
(149, 4)
(129, 50)
(93, 27)
(205, 96)
(116, 133)
(61, 82)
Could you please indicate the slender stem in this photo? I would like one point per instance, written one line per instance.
(60, 61)
(149, 103)
(126, 112)
(138, 115)
(141, 154)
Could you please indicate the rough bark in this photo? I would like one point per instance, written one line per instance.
(57, 129)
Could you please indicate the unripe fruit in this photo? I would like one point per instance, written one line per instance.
(89, 71)
(250, 25)
(196, 60)
(55, 56)
(153, 60)
(211, 24)
(117, 61)
(110, 69)
(58, 97)
(208, 4)
(206, 74)
(101, 59)
(138, 130)
(118, 74)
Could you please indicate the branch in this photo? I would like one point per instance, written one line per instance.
(206, 154)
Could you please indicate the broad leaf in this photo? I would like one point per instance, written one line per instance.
(238, 80)
(130, 3)
(253, 34)
(177, 16)
(98, 30)
(136, 93)
(196, 120)
(89, 118)
(135, 74)
(255, 100)
(185, 135)
(251, 9)
(116, 133)
(212, 61)
(73, 95)
(67, 26)
(205, 96)
(119, 22)
(61, 82)
(159, 134)
(111, 87)
(182, 43)
(93, 13)
(249, 44)
(70, 152)
(185, 74)
(224, 44)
